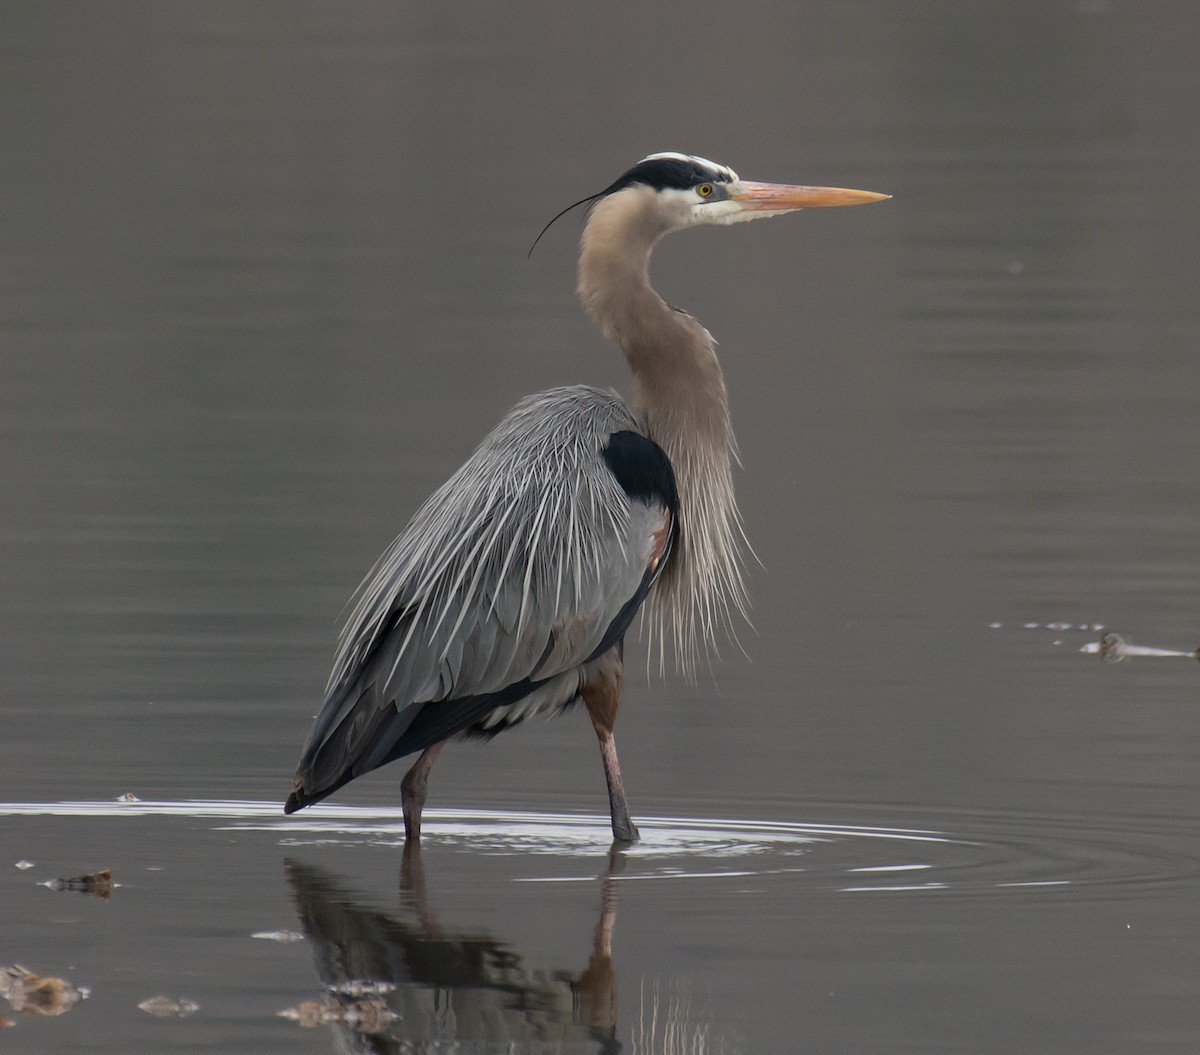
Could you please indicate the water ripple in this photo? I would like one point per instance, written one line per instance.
(970, 855)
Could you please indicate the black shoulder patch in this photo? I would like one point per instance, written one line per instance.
(642, 468)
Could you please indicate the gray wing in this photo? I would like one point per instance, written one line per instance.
(503, 585)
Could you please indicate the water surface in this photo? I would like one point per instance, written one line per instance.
(263, 286)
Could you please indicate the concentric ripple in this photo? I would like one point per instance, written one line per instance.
(968, 855)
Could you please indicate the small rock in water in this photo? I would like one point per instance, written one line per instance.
(1112, 648)
(98, 883)
(278, 935)
(169, 1007)
(32, 994)
(362, 1016)
(23, 865)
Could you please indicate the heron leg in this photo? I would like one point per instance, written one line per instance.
(413, 789)
(602, 697)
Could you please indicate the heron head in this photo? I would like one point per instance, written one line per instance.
(669, 191)
(692, 190)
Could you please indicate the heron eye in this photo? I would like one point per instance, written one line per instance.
(704, 190)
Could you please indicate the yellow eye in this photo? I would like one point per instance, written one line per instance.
(704, 190)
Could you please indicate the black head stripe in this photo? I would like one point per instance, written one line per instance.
(661, 172)
(671, 171)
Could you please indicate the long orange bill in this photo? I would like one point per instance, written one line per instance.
(771, 197)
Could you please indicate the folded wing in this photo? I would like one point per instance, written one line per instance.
(527, 564)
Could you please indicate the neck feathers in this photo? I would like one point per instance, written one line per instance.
(681, 398)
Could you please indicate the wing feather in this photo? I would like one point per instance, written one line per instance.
(510, 577)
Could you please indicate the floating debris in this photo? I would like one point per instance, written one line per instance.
(100, 884)
(169, 1007)
(363, 1016)
(23, 865)
(278, 935)
(32, 994)
(1113, 648)
(129, 796)
(361, 987)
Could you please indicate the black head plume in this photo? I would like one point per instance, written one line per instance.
(582, 201)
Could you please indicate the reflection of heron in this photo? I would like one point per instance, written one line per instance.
(453, 987)
(509, 593)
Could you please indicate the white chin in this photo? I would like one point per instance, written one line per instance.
(727, 212)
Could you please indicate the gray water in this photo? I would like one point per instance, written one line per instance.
(263, 285)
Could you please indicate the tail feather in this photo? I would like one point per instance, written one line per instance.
(302, 796)
(369, 737)
(297, 800)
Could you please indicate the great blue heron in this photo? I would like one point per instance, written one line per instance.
(509, 592)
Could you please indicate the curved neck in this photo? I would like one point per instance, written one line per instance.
(679, 387)
(681, 398)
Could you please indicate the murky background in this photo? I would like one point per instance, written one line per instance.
(263, 285)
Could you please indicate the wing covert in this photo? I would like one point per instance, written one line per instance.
(516, 570)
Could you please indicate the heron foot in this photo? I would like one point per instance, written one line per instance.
(624, 830)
